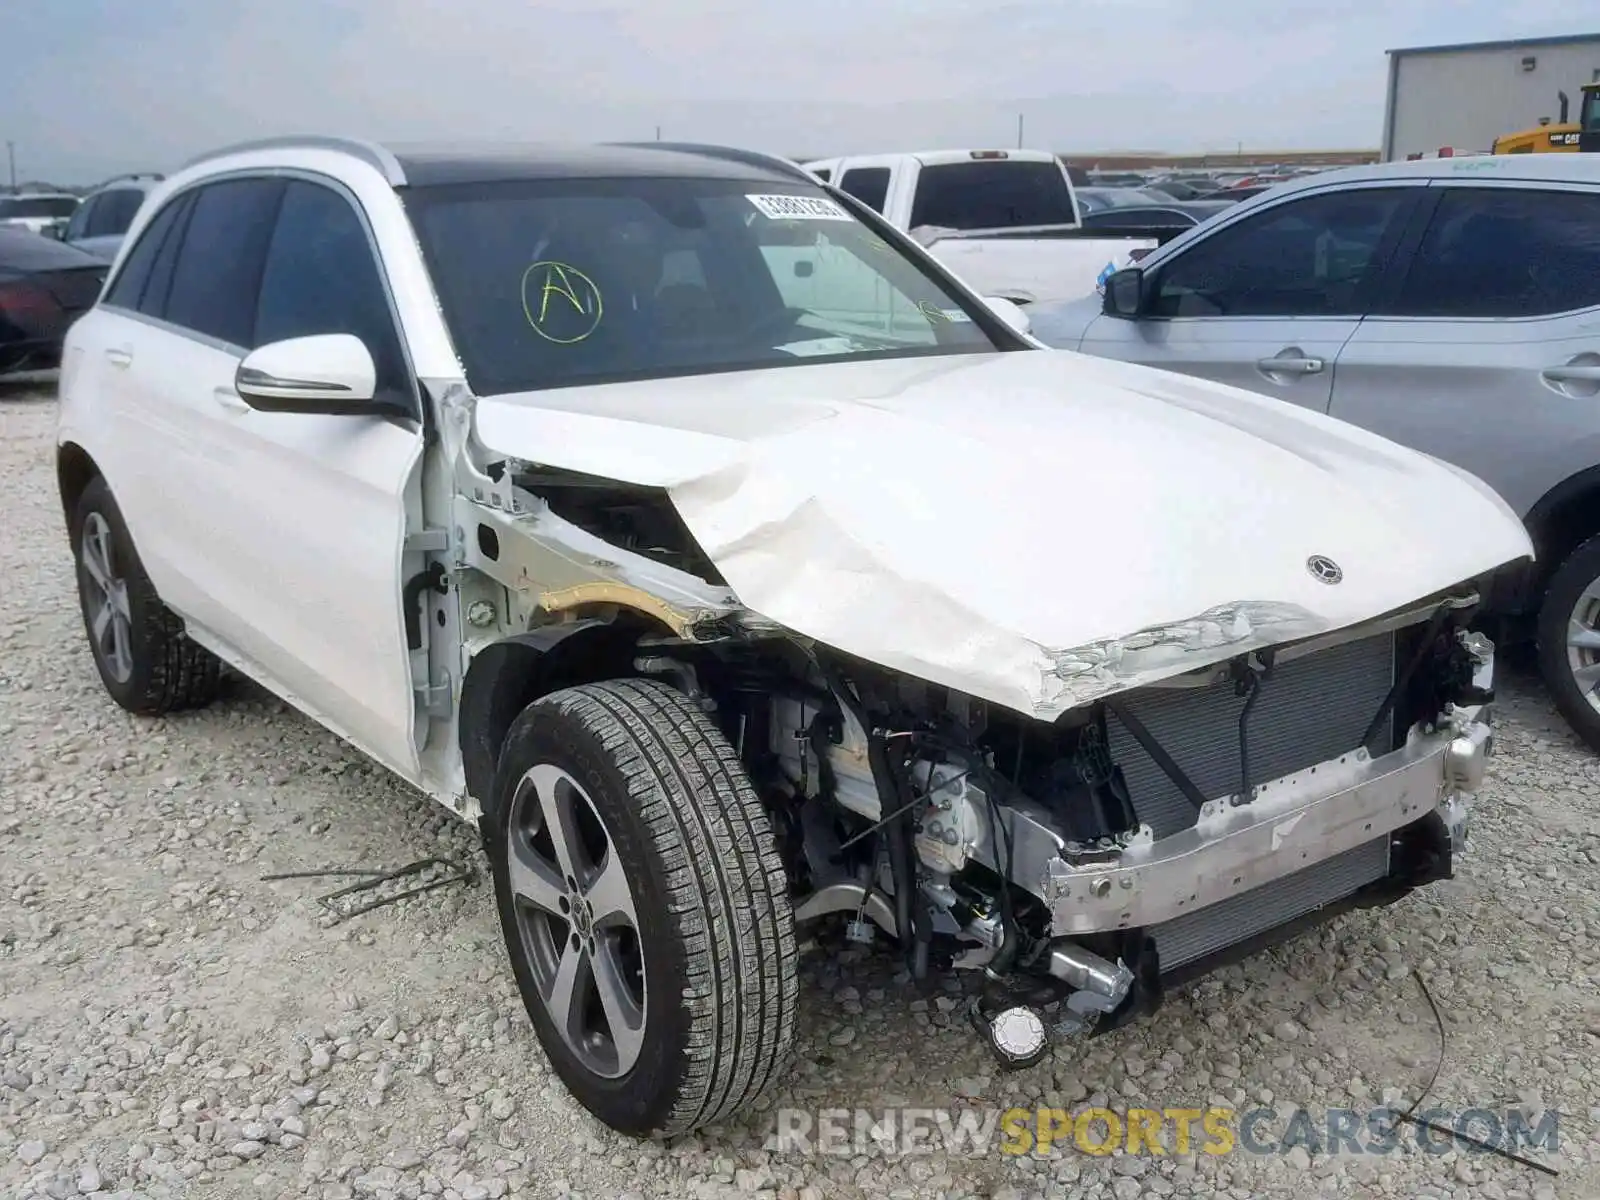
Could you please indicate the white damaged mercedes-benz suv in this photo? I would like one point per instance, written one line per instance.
(737, 569)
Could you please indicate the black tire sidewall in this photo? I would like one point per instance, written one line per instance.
(144, 625)
(1580, 569)
(640, 1101)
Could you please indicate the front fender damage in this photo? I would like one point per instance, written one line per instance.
(551, 568)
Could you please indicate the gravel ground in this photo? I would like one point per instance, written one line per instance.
(173, 1026)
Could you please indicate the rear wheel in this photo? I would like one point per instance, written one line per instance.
(1569, 640)
(644, 905)
(146, 661)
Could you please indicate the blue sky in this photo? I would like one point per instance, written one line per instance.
(89, 87)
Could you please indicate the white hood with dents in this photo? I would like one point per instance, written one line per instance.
(1034, 528)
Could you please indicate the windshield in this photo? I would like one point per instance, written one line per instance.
(992, 194)
(37, 206)
(559, 282)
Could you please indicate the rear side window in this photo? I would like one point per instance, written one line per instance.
(218, 271)
(128, 289)
(321, 276)
(114, 212)
(1494, 252)
(870, 185)
(822, 173)
(154, 300)
(1316, 257)
(79, 225)
(992, 194)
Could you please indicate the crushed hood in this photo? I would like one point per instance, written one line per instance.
(1034, 528)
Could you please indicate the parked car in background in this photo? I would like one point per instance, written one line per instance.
(1160, 221)
(1006, 221)
(1233, 195)
(105, 214)
(1096, 199)
(46, 213)
(44, 287)
(1183, 189)
(1450, 304)
(1116, 179)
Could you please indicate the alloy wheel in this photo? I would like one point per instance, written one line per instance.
(110, 621)
(1583, 644)
(576, 917)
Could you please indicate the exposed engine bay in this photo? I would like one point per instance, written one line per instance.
(960, 829)
(1072, 867)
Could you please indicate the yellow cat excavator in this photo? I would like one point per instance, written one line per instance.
(1564, 137)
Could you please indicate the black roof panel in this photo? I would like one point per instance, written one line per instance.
(433, 165)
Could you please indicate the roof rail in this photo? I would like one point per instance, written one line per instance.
(750, 158)
(370, 153)
(129, 176)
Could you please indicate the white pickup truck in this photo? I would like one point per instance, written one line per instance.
(1005, 221)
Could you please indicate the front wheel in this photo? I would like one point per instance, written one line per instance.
(1569, 640)
(644, 906)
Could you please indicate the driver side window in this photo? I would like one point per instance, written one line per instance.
(1316, 257)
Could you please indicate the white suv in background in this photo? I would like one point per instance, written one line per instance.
(98, 225)
(45, 213)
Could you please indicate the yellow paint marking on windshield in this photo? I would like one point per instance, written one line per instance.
(577, 305)
(932, 311)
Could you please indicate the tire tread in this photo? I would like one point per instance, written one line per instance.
(729, 896)
(180, 673)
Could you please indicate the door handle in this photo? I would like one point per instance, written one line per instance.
(229, 399)
(119, 356)
(1578, 377)
(1290, 366)
(1572, 373)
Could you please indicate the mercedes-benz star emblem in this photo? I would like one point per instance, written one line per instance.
(1323, 569)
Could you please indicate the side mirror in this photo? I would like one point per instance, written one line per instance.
(328, 373)
(1125, 293)
(1011, 313)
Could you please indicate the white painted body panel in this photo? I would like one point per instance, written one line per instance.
(1007, 524)
(31, 224)
(277, 536)
(230, 509)
(1037, 270)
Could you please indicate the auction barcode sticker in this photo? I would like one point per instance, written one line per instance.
(798, 208)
